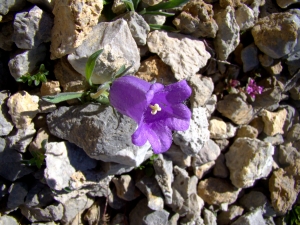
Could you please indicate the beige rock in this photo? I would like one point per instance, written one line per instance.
(274, 121)
(247, 131)
(249, 160)
(283, 194)
(119, 7)
(93, 214)
(126, 188)
(185, 55)
(81, 17)
(196, 18)
(220, 169)
(202, 87)
(23, 108)
(286, 3)
(200, 171)
(216, 191)
(226, 217)
(275, 69)
(152, 2)
(36, 144)
(265, 60)
(77, 180)
(50, 88)
(258, 124)
(153, 68)
(217, 128)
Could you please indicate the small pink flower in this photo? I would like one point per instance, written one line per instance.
(252, 89)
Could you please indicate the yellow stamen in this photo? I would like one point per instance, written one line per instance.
(155, 108)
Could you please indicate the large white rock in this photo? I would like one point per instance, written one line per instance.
(186, 55)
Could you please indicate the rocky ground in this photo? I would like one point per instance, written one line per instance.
(74, 163)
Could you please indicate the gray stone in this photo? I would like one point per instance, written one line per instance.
(178, 157)
(164, 176)
(126, 188)
(192, 140)
(104, 138)
(17, 194)
(26, 61)
(228, 36)
(294, 133)
(74, 206)
(111, 168)
(208, 153)
(39, 195)
(6, 35)
(151, 189)
(119, 48)
(32, 28)
(234, 107)
(244, 17)
(154, 19)
(6, 125)
(287, 155)
(114, 201)
(202, 87)
(6, 219)
(226, 217)
(141, 214)
(209, 217)
(11, 167)
(249, 58)
(282, 29)
(247, 131)
(251, 218)
(138, 27)
(220, 170)
(62, 160)
(273, 140)
(286, 3)
(184, 54)
(248, 160)
(268, 98)
(52, 212)
(210, 105)
(196, 18)
(11, 5)
(19, 139)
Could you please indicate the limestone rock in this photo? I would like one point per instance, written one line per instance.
(52, 212)
(217, 191)
(286, 3)
(19, 139)
(150, 188)
(247, 131)
(192, 140)
(11, 5)
(138, 27)
(228, 36)
(274, 121)
(119, 48)
(219, 129)
(196, 18)
(81, 17)
(178, 157)
(126, 188)
(248, 160)
(153, 68)
(23, 62)
(226, 217)
(103, 137)
(6, 219)
(236, 109)
(118, 7)
(32, 28)
(244, 17)
(294, 133)
(209, 217)
(5, 120)
(62, 161)
(202, 87)
(220, 169)
(201, 171)
(17, 194)
(141, 214)
(50, 88)
(249, 58)
(208, 153)
(282, 29)
(23, 108)
(185, 55)
(251, 218)
(164, 176)
(283, 194)
(287, 155)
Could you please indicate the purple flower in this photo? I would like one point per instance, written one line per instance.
(156, 108)
(234, 83)
(252, 89)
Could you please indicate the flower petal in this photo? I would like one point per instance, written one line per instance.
(178, 92)
(128, 96)
(139, 137)
(180, 120)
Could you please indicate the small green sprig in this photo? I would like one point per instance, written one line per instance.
(293, 216)
(37, 157)
(147, 166)
(36, 78)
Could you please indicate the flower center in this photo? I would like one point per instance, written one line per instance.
(155, 108)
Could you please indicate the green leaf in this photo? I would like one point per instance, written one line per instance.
(90, 65)
(167, 5)
(122, 71)
(145, 11)
(136, 3)
(162, 27)
(62, 97)
(129, 5)
(107, 11)
(36, 82)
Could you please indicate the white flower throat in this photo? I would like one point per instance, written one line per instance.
(155, 108)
